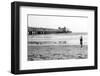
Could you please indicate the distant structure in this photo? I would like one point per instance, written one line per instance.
(33, 30)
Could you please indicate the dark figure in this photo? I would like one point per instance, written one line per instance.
(81, 41)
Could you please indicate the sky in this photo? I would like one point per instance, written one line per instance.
(73, 23)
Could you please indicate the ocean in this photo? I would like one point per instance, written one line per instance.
(57, 39)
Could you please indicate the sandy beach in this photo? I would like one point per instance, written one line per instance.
(56, 52)
(57, 46)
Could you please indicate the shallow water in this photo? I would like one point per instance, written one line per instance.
(58, 39)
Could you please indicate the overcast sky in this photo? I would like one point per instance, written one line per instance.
(74, 23)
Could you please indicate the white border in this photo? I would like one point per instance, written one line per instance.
(26, 65)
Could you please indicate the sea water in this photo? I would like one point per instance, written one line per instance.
(58, 39)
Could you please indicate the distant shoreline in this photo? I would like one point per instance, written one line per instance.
(73, 33)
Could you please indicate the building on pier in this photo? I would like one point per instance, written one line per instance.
(33, 30)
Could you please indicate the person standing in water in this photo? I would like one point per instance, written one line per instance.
(81, 41)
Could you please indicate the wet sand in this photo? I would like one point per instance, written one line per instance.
(57, 52)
